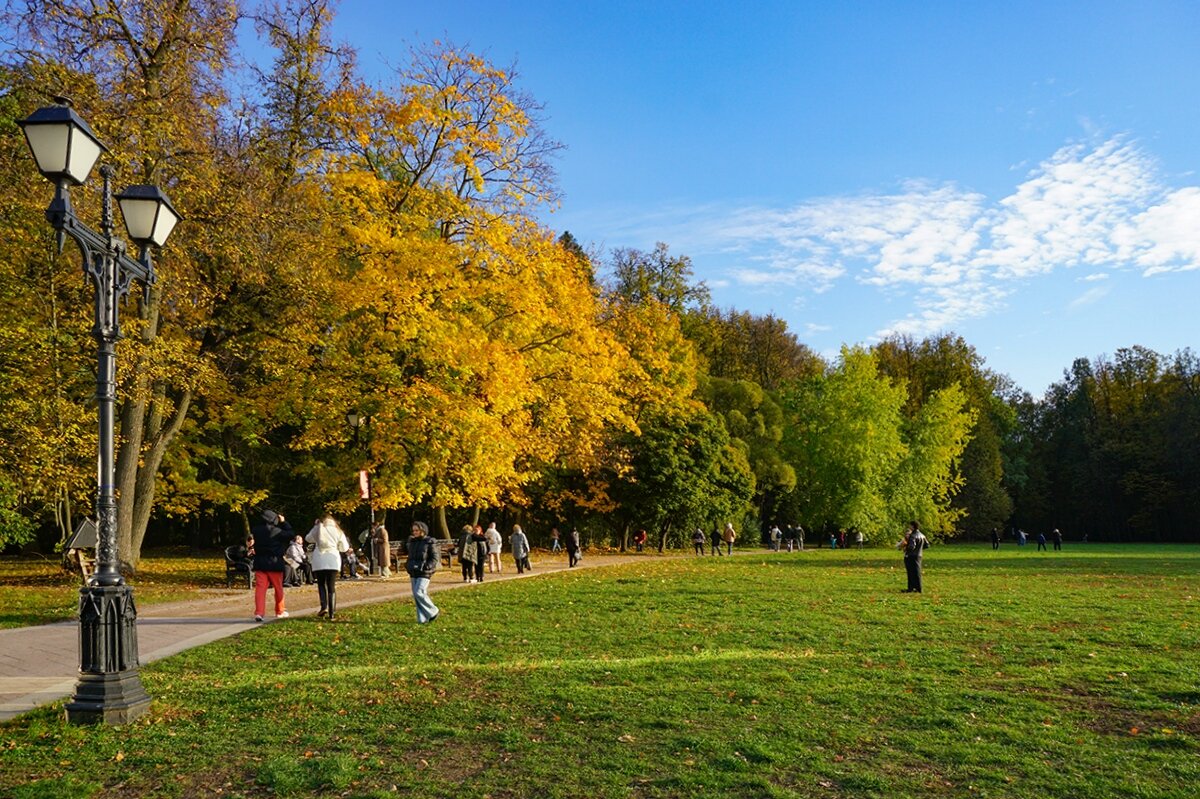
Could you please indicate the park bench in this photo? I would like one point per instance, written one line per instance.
(446, 548)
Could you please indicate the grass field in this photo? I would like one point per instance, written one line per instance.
(36, 590)
(1017, 674)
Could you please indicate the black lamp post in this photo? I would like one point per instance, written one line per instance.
(357, 420)
(109, 689)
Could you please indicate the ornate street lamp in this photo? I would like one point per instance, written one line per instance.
(109, 689)
(357, 420)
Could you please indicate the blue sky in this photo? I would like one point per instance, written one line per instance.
(1024, 174)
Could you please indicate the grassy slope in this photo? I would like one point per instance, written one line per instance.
(1017, 674)
(35, 590)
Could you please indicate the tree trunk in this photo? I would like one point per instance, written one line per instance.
(441, 521)
(625, 538)
(147, 476)
(132, 434)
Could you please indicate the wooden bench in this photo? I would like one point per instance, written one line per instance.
(446, 548)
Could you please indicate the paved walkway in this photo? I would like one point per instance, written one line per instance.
(39, 665)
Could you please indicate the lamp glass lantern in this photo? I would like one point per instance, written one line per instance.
(63, 145)
(149, 215)
(355, 419)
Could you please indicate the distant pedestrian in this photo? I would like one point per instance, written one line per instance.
(1056, 536)
(271, 538)
(555, 546)
(329, 543)
(381, 550)
(518, 544)
(800, 537)
(422, 563)
(995, 538)
(833, 540)
(841, 539)
(495, 544)
(729, 535)
(481, 546)
(716, 541)
(776, 538)
(572, 548)
(698, 539)
(859, 538)
(1021, 539)
(914, 545)
(639, 540)
(468, 553)
(1041, 539)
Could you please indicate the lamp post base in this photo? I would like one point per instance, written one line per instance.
(110, 689)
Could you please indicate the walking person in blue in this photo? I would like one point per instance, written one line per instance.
(422, 563)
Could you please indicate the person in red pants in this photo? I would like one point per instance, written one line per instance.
(271, 539)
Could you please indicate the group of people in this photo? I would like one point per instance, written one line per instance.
(277, 551)
(721, 538)
(1022, 539)
(281, 557)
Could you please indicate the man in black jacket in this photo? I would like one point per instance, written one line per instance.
(423, 561)
(271, 539)
(914, 548)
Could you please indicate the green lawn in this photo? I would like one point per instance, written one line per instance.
(1018, 674)
(36, 590)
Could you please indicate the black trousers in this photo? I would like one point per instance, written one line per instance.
(468, 569)
(572, 557)
(326, 582)
(913, 567)
(699, 548)
(479, 569)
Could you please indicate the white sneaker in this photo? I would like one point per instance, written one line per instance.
(283, 615)
(258, 618)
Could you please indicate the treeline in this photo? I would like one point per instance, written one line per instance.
(374, 249)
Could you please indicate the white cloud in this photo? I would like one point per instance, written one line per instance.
(958, 255)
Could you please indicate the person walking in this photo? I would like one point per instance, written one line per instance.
(555, 546)
(800, 537)
(776, 537)
(1041, 539)
(468, 553)
(914, 545)
(572, 544)
(716, 541)
(1056, 536)
(518, 544)
(329, 542)
(271, 538)
(481, 548)
(495, 544)
(422, 563)
(995, 538)
(698, 539)
(859, 538)
(729, 536)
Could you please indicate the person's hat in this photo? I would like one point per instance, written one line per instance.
(270, 516)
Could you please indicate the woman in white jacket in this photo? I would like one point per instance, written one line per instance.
(326, 560)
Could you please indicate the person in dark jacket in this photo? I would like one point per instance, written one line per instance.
(1056, 535)
(914, 546)
(698, 539)
(467, 553)
(572, 543)
(271, 539)
(423, 561)
(479, 538)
